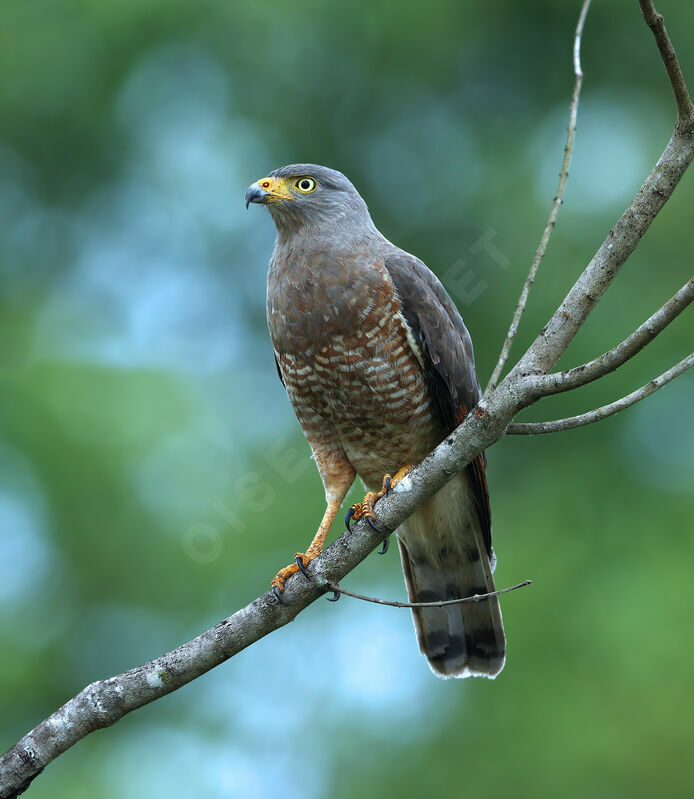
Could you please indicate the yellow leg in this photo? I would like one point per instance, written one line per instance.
(315, 548)
(365, 508)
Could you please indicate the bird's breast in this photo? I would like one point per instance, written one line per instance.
(347, 361)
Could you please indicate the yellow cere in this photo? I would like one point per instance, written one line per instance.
(277, 188)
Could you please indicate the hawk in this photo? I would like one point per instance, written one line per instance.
(379, 369)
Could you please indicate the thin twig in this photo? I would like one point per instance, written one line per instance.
(557, 425)
(474, 598)
(654, 20)
(556, 382)
(556, 205)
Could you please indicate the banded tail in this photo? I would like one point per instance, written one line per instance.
(444, 557)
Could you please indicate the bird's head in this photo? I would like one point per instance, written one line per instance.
(311, 199)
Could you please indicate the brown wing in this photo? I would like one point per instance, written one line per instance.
(449, 362)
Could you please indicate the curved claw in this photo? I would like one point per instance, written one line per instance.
(348, 517)
(387, 483)
(300, 563)
(278, 594)
(384, 548)
(372, 525)
(336, 595)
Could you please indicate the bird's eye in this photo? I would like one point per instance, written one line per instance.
(306, 185)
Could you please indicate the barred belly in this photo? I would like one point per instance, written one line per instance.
(364, 393)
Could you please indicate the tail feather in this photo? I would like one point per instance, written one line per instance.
(458, 640)
(465, 639)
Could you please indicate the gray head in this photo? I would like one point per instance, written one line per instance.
(311, 199)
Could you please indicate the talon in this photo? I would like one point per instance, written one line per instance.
(384, 548)
(348, 517)
(372, 525)
(278, 594)
(364, 509)
(299, 560)
(336, 595)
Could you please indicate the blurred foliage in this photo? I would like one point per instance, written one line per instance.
(153, 478)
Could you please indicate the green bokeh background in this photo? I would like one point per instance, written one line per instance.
(152, 476)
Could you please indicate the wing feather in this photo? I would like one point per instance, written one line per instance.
(449, 362)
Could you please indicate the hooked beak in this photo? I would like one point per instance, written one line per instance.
(254, 194)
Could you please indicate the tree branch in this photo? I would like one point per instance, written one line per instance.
(557, 382)
(622, 240)
(557, 425)
(104, 702)
(654, 20)
(620, 243)
(554, 213)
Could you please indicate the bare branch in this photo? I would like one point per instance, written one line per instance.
(105, 702)
(338, 590)
(556, 205)
(654, 20)
(557, 425)
(612, 359)
(621, 242)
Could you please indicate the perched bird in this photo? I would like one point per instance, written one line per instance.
(379, 368)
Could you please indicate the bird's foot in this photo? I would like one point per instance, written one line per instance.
(365, 508)
(301, 561)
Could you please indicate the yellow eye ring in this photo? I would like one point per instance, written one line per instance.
(306, 185)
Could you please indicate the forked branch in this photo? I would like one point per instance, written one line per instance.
(557, 425)
(556, 205)
(633, 344)
(624, 237)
